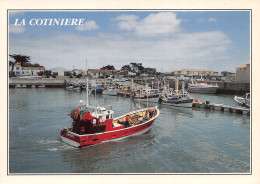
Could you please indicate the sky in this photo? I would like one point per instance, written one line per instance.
(165, 40)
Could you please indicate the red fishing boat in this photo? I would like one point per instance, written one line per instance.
(95, 125)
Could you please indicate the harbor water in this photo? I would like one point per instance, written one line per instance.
(181, 140)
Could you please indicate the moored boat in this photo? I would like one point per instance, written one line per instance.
(178, 98)
(200, 86)
(98, 88)
(243, 101)
(43, 85)
(144, 95)
(69, 85)
(111, 91)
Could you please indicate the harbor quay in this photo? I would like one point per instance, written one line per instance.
(60, 82)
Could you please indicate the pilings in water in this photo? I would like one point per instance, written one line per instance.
(222, 107)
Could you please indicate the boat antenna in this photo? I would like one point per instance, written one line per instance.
(147, 101)
(87, 81)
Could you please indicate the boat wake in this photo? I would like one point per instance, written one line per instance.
(47, 141)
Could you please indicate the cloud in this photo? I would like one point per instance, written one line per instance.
(196, 50)
(89, 25)
(212, 20)
(16, 29)
(127, 22)
(202, 20)
(152, 25)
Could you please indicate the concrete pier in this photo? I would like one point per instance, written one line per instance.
(225, 108)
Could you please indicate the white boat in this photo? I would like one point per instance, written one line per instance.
(18, 86)
(69, 85)
(111, 91)
(243, 101)
(144, 95)
(178, 98)
(42, 86)
(76, 87)
(33, 86)
(23, 86)
(200, 86)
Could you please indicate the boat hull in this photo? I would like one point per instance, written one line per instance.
(153, 99)
(79, 141)
(187, 104)
(98, 89)
(241, 102)
(109, 92)
(207, 90)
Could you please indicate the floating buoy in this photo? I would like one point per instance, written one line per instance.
(196, 101)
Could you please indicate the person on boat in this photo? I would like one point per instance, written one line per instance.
(151, 113)
(127, 124)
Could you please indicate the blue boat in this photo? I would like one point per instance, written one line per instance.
(98, 89)
(243, 101)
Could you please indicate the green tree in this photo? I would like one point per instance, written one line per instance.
(126, 67)
(47, 73)
(150, 71)
(137, 67)
(20, 58)
(108, 67)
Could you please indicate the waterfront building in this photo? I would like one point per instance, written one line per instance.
(100, 73)
(58, 71)
(243, 73)
(196, 73)
(26, 71)
(17, 69)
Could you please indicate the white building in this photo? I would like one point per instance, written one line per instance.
(26, 71)
(195, 73)
(243, 73)
(96, 73)
(58, 71)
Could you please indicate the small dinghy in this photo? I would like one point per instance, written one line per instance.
(243, 101)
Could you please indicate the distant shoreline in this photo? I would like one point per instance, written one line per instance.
(60, 82)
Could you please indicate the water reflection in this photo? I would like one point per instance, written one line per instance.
(181, 140)
(90, 159)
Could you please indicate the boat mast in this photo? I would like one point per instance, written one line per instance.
(87, 81)
(177, 86)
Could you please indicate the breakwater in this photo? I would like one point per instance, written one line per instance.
(222, 107)
(48, 82)
(224, 87)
